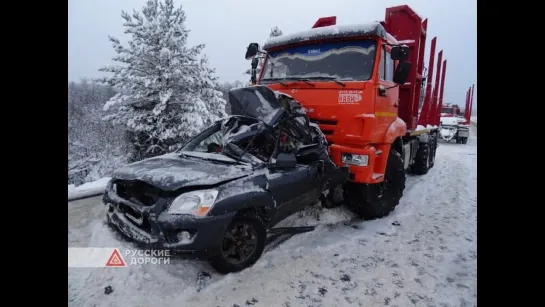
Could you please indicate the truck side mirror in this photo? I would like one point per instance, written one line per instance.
(255, 61)
(251, 51)
(399, 53)
(253, 72)
(402, 72)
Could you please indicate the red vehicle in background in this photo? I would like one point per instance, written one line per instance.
(452, 125)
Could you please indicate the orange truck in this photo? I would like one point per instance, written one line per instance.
(361, 84)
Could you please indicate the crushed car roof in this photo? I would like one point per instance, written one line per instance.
(255, 101)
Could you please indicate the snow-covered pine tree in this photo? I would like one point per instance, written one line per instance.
(210, 94)
(166, 87)
(275, 31)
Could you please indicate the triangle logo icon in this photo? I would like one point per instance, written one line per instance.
(116, 260)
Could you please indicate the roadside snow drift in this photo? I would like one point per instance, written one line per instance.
(87, 189)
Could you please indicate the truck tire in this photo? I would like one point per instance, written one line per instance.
(373, 201)
(255, 236)
(464, 141)
(433, 149)
(333, 199)
(421, 164)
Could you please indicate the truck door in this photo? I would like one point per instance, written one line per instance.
(386, 106)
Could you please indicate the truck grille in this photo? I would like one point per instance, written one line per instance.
(137, 192)
(325, 122)
(331, 122)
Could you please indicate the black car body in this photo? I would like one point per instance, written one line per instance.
(267, 158)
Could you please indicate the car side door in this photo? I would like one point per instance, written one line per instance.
(293, 189)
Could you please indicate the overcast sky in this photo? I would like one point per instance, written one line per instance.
(226, 27)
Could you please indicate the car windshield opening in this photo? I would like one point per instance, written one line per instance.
(211, 144)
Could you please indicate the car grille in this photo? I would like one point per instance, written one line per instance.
(137, 192)
(134, 217)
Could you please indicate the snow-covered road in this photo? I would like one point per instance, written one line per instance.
(424, 254)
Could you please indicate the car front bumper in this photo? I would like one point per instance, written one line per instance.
(165, 231)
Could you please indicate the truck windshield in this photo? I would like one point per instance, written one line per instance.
(349, 61)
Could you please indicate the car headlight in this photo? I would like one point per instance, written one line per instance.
(353, 159)
(197, 203)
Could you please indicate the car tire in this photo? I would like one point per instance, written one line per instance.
(368, 202)
(224, 261)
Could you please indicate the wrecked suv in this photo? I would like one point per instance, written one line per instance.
(217, 197)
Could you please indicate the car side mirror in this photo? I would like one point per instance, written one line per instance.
(285, 160)
(402, 71)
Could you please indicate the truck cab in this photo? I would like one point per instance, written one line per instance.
(361, 84)
(450, 111)
(346, 78)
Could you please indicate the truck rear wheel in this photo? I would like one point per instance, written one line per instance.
(421, 164)
(433, 149)
(373, 201)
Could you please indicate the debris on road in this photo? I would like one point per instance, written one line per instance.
(108, 290)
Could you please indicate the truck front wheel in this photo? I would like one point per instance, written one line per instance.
(373, 201)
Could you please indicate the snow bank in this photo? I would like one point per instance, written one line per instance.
(87, 189)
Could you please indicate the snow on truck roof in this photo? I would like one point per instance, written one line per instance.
(337, 31)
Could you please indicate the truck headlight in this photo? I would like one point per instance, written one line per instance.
(196, 203)
(353, 159)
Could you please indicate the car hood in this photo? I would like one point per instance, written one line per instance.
(255, 101)
(171, 172)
